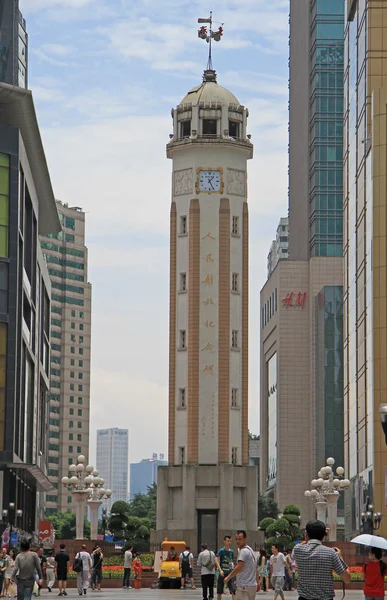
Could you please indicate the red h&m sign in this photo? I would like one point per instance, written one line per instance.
(294, 299)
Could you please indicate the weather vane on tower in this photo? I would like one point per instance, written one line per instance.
(209, 35)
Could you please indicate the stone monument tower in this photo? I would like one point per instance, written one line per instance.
(208, 489)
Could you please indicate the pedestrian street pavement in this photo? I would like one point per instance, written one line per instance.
(148, 594)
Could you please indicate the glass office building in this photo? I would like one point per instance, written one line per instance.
(113, 462)
(326, 127)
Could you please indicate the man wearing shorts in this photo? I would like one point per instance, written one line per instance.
(278, 564)
(225, 564)
(62, 561)
(186, 566)
(246, 569)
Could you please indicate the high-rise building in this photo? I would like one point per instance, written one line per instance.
(27, 209)
(144, 474)
(208, 487)
(279, 249)
(302, 301)
(113, 462)
(70, 325)
(365, 305)
(13, 45)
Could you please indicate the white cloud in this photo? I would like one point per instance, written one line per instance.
(46, 57)
(33, 5)
(56, 49)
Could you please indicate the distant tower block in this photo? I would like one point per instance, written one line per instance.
(208, 489)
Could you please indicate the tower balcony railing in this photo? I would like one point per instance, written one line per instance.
(195, 138)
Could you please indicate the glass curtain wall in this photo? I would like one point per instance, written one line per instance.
(326, 127)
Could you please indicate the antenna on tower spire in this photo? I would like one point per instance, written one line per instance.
(209, 35)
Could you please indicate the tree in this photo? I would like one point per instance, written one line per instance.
(118, 518)
(285, 530)
(144, 505)
(267, 507)
(265, 523)
(253, 436)
(64, 524)
(137, 533)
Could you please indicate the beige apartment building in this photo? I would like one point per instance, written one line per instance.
(365, 255)
(301, 390)
(69, 416)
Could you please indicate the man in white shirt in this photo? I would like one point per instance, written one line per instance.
(278, 564)
(186, 566)
(207, 563)
(128, 558)
(84, 575)
(245, 570)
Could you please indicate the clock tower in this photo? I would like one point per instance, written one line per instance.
(208, 489)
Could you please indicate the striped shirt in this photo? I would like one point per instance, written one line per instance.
(316, 564)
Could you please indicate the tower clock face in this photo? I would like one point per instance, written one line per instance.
(209, 180)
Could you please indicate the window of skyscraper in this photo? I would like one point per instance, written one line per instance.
(69, 223)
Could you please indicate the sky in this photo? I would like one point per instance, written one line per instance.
(105, 75)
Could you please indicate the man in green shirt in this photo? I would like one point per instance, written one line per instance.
(225, 564)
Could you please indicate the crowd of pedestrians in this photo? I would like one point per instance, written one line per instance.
(246, 573)
(242, 573)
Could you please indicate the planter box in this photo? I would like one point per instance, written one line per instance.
(147, 580)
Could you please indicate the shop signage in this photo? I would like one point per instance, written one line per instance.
(294, 300)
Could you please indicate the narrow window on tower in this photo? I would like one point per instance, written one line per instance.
(233, 129)
(183, 225)
(183, 339)
(185, 129)
(234, 339)
(234, 456)
(209, 127)
(235, 226)
(183, 282)
(234, 398)
(235, 282)
(181, 456)
(182, 398)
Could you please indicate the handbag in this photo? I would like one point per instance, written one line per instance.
(77, 564)
(35, 589)
(12, 590)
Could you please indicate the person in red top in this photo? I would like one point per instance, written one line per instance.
(373, 575)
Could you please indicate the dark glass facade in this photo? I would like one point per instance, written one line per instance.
(13, 45)
(330, 374)
(326, 127)
(272, 420)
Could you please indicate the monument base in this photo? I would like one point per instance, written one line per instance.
(203, 503)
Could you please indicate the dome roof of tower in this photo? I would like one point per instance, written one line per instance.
(210, 91)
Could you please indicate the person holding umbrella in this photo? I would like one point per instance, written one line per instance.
(375, 569)
(373, 575)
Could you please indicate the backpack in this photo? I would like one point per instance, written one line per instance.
(78, 564)
(185, 560)
(211, 564)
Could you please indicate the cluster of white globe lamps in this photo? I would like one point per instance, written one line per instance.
(90, 483)
(326, 476)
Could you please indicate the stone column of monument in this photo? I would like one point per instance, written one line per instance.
(208, 489)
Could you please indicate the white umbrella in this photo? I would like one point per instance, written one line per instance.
(373, 541)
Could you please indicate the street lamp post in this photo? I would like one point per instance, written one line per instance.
(87, 488)
(104, 521)
(370, 521)
(8, 515)
(326, 492)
